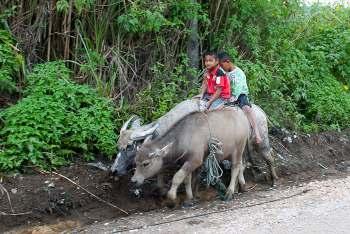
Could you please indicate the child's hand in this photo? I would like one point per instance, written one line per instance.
(208, 104)
(233, 99)
(202, 105)
(205, 74)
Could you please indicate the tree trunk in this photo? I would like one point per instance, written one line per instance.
(193, 44)
(68, 31)
(52, 5)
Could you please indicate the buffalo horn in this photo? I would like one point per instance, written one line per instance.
(126, 124)
(142, 134)
(136, 123)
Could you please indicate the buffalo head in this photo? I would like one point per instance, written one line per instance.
(123, 162)
(129, 140)
(149, 161)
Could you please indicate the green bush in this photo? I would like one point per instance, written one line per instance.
(55, 121)
(296, 59)
(328, 104)
(10, 62)
(170, 87)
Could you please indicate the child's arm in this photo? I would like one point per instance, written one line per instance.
(215, 96)
(203, 88)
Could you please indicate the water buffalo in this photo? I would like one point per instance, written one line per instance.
(187, 142)
(131, 139)
(263, 149)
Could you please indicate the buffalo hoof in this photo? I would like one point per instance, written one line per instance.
(159, 192)
(162, 192)
(243, 188)
(228, 196)
(274, 179)
(273, 184)
(189, 203)
(170, 204)
(171, 196)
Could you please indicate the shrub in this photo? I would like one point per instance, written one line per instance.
(10, 63)
(170, 87)
(55, 121)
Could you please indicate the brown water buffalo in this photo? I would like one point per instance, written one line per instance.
(187, 142)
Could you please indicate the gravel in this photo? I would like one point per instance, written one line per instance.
(313, 207)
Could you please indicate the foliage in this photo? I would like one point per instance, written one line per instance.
(80, 5)
(296, 57)
(10, 63)
(56, 120)
(143, 20)
(170, 87)
(296, 60)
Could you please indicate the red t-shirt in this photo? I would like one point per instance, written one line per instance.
(217, 78)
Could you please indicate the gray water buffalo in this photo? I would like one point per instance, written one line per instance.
(131, 139)
(187, 142)
(263, 149)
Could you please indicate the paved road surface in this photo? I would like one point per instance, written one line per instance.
(315, 207)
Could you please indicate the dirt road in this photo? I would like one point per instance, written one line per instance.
(314, 207)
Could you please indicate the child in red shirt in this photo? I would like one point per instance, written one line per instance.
(216, 85)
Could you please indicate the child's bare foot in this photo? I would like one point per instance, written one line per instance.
(258, 139)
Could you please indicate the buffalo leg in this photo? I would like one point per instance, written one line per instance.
(178, 178)
(231, 188)
(185, 171)
(160, 181)
(160, 184)
(270, 162)
(237, 164)
(188, 186)
(241, 179)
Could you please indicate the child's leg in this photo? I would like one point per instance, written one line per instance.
(218, 103)
(243, 103)
(251, 117)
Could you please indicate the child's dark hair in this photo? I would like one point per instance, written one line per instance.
(223, 56)
(211, 53)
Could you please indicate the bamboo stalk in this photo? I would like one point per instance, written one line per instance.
(52, 7)
(68, 30)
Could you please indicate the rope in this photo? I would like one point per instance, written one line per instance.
(213, 169)
(212, 172)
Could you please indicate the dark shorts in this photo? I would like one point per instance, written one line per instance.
(243, 100)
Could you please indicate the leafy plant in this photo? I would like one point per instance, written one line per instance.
(170, 87)
(296, 59)
(10, 63)
(80, 5)
(55, 121)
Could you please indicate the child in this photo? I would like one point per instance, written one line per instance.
(239, 90)
(216, 85)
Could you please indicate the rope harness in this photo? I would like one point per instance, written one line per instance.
(212, 172)
(213, 169)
